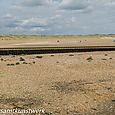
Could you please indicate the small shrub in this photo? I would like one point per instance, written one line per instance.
(71, 55)
(17, 63)
(57, 62)
(8, 64)
(104, 59)
(110, 58)
(2, 59)
(52, 55)
(90, 58)
(25, 63)
(33, 62)
(113, 100)
(105, 54)
(22, 59)
(12, 64)
(39, 56)
(13, 56)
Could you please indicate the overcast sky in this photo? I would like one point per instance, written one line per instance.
(57, 17)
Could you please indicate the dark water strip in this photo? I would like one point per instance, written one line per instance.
(53, 50)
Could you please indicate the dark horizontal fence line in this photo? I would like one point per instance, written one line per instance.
(29, 51)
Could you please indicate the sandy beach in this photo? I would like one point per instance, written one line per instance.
(57, 57)
(62, 84)
(56, 41)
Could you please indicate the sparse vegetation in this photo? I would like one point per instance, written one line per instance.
(52, 55)
(104, 59)
(80, 81)
(57, 37)
(72, 86)
(13, 56)
(58, 41)
(22, 59)
(24, 63)
(10, 64)
(71, 55)
(39, 56)
(57, 62)
(89, 58)
(2, 59)
(33, 62)
(106, 55)
(17, 63)
(113, 100)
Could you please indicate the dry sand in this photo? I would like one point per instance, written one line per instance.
(57, 41)
(62, 84)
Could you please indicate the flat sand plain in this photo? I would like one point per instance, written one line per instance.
(62, 84)
(55, 41)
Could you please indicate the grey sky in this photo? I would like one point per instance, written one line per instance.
(57, 17)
